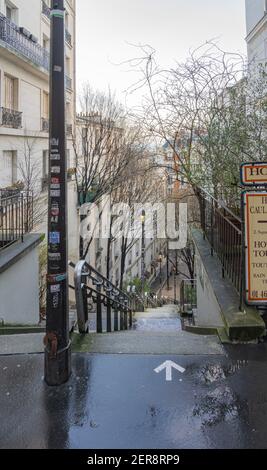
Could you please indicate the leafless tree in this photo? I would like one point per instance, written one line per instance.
(29, 171)
(210, 110)
(105, 145)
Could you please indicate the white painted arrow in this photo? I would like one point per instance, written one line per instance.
(168, 366)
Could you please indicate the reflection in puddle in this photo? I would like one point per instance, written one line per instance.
(215, 372)
(218, 406)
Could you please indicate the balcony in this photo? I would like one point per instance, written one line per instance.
(68, 37)
(22, 42)
(45, 124)
(45, 9)
(10, 118)
(69, 130)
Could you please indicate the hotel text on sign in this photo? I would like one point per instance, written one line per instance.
(255, 216)
(254, 174)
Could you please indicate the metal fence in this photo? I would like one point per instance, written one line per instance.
(16, 216)
(23, 42)
(91, 285)
(10, 118)
(223, 229)
(188, 296)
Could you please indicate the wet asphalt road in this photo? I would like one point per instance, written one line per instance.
(118, 401)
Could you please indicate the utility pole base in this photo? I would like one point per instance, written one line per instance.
(58, 369)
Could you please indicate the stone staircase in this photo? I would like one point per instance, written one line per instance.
(155, 331)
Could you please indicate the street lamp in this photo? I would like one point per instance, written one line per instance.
(57, 341)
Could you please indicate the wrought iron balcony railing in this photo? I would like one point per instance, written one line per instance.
(45, 124)
(16, 216)
(10, 118)
(69, 130)
(45, 9)
(68, 37)
(22, 43)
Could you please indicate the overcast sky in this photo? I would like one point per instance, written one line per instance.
(106, 27)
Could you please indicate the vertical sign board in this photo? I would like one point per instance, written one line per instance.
(255, 218)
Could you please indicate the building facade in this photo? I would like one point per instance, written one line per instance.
(256, 23)
(24, 89)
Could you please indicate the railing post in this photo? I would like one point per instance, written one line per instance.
(116, 319)
(81, 304)
(212, 228)
(182, 296)
(131, 318)
(204, 216)
(99, 328)
(108, 317)
(85, 309)
(22, 218)
(125, 319)
(121, 320)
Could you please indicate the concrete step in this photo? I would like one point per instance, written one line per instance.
(147, 342)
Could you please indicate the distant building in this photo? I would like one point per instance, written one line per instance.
(256, 22)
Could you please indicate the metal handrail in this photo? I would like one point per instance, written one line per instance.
(89, 283)
(220, 203)
(223, 229)
(16, 216)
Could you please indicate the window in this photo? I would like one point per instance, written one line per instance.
(45, 105)
(67, 20)
(46, 43)
(68, 113)
(45, 164)
(11, 12)
(68, 66)
(9, 168)
(11, 92)
(68, 159)
(84, 141)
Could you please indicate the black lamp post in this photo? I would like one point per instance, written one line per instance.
(57, 342)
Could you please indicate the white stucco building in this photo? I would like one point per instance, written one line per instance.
(24, 87)
(256, 22)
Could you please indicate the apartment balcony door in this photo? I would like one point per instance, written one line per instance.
(11, 93)
(8, 165)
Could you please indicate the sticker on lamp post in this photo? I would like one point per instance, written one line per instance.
(255, 218)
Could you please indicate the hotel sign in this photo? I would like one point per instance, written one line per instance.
(254, 174)
(255, 217)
